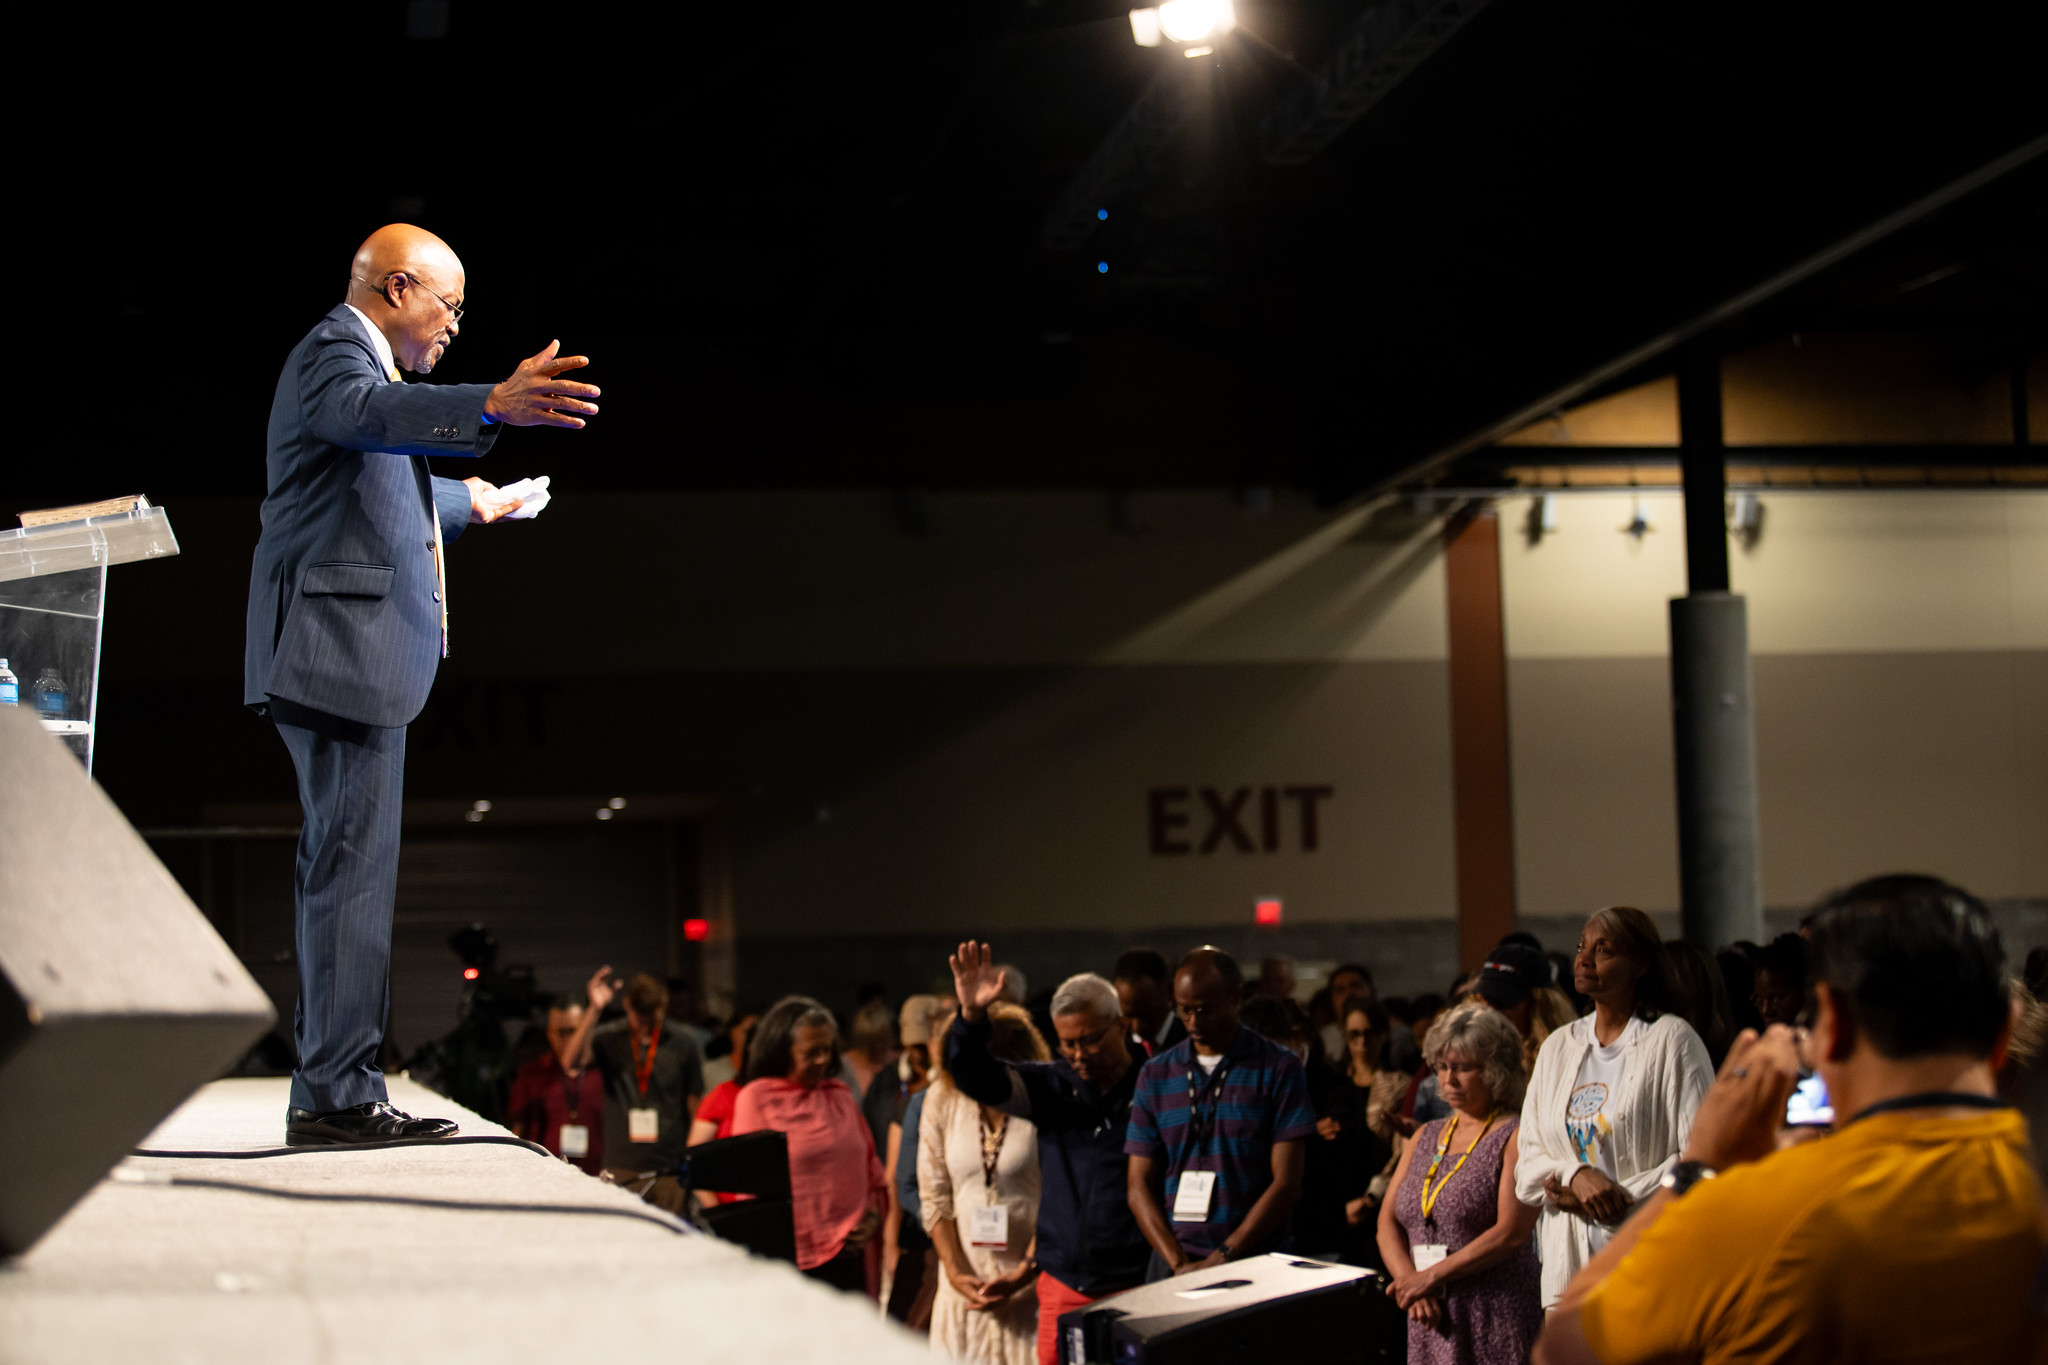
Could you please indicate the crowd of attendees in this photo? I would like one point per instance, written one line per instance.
(1565, 1157)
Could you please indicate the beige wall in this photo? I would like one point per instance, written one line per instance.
(1901, 664)
(980, 713)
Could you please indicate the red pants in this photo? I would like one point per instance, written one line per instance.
(1054, 1299)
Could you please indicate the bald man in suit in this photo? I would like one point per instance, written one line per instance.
(348, 624)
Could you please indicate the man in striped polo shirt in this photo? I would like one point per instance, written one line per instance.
(1217, 1130)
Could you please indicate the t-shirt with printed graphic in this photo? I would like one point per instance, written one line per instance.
(1589, 1116)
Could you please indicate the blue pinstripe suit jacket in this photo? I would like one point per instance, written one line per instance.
(343, 615)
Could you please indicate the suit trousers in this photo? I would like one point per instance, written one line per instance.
(351, 785)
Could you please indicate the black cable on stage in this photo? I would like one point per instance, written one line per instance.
(676, 1226)
(378, 1146)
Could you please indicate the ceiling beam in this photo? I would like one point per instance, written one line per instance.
(1380, 49)
(1731, 308)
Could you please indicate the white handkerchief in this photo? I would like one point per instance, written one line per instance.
(535, 491)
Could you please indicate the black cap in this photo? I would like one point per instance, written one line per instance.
(1510, 972)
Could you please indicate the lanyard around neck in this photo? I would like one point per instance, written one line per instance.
(991, 1152)
(1932, 1099)
(1443, 1147)
(645, 1068)
(1201, 1122)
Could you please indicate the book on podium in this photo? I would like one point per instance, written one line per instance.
(53, 593)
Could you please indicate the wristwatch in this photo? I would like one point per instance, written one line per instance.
(1685, 1175)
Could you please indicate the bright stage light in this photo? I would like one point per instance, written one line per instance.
(1182, 21)
(1190, 21)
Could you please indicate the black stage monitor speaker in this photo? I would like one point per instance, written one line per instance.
(117, 998)
(1276, 1307)
(754, 1164)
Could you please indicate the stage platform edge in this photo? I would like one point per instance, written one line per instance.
(141, 1269)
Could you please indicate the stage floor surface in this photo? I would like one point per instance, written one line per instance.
(316, 1259)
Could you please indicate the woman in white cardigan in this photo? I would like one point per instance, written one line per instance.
(1612, 1098)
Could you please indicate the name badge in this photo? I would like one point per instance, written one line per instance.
(643, 1125)
(1427, 1254)
(1194, 1197)
(575, 1140)
(988, 1226)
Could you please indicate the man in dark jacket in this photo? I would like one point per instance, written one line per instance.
(348, 621)
(1089, 1244)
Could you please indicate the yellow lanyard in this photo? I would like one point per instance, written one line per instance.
(1443, 1147)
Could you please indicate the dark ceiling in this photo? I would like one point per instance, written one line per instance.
(803, 241)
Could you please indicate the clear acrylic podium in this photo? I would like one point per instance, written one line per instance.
(53, 593)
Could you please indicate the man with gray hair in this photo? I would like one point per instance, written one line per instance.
(1089, 1244)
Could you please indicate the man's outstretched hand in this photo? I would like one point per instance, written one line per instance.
(976, 980)
(485, 504)
(536, 395)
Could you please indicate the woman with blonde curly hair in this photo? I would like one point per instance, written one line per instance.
(977, 1181)
(1454, 1235)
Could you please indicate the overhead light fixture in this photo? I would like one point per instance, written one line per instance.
(1182, 21)
(1542, 517)
(604, 812)
(617, 803)
(1746, 518)
(1638, 524)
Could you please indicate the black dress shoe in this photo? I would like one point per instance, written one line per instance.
(372, 1122)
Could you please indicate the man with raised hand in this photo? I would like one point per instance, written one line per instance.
(348, 621)
(1089, 1245)
(1217, 1130)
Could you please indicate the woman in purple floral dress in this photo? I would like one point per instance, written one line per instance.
(1455, 1237)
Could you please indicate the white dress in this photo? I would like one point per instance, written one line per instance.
(949, 1183)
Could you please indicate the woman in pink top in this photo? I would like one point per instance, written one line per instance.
(835, 1178)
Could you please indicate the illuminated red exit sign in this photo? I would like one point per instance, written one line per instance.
(696, 930)
(1267, 912)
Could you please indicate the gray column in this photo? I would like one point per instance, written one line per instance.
(1714, 724)
(1713, 718)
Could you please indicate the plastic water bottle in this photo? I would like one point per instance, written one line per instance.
(10, 687)
(53, 698)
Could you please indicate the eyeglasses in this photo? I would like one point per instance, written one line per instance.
(454, 312)
(1091, 1041)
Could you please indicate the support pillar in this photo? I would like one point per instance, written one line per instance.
(1482, 791)
(1713, 713)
